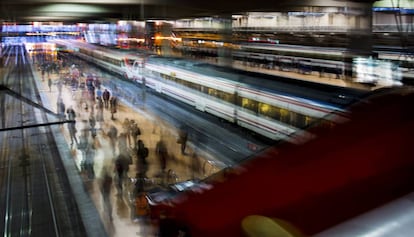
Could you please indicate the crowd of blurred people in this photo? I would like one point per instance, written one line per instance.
(96, 125)
(91, 111)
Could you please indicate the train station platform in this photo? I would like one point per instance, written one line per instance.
(122, 222)
(326, 78)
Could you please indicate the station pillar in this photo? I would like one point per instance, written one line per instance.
(224, 51)
(166, 31)
(359, 34)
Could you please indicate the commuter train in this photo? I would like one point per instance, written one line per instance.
(307, 189)
(384, 69)
(274, 107)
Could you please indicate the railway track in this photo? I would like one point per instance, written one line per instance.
(36, 197)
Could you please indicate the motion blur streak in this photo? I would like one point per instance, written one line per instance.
(350, 170)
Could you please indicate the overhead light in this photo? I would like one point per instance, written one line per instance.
(70, 8)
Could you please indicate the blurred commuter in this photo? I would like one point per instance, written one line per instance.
(97, 83)
(106, 187)
(98, 93)
(134, 132)
(99, 108)
(113, 135)
(114, 105)
(92, 124)
(43, 70)
(59, 86)
(72, 133)
(83, 146)
(49, 83)
(162, 154)
(91, 93)
(105, 96)
(122, 143)
(142, 154)
(121, 171)
(123, 147)
(71, 114)
(61, 109)
(126, 128)
(182, 139)
(88, 161)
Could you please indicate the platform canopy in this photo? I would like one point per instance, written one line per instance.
(109, 10)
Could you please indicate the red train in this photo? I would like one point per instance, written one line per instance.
(357, 166)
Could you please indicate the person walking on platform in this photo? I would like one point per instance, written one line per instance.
(71, 114)
(114, 105)
(134, 132)
(106, 187)
(59, 86)
(121, 171)
(100, 107)
(123, 147)
(43, 70)
(113, 135)
(61, 108)
(126, 127)
(88, 160)
(162, 154)
(49, 83)
(182, 139)
(92, 124)
(105, 96)
(72, 133)
(98, 93)
(142, 154)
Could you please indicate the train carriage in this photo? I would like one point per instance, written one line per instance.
(273, 107)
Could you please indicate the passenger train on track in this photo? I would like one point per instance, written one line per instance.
(274, 107)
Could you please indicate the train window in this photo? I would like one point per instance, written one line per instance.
(269, 110)
(284, 115)
(227, 97)
(309, 120)
(221, 95)
(249, 104)
(326, 124)
(191, 85)
(153, 73)
(300, 120)
(206, 90)
(212, 92)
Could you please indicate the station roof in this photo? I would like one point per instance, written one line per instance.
(24, 11)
